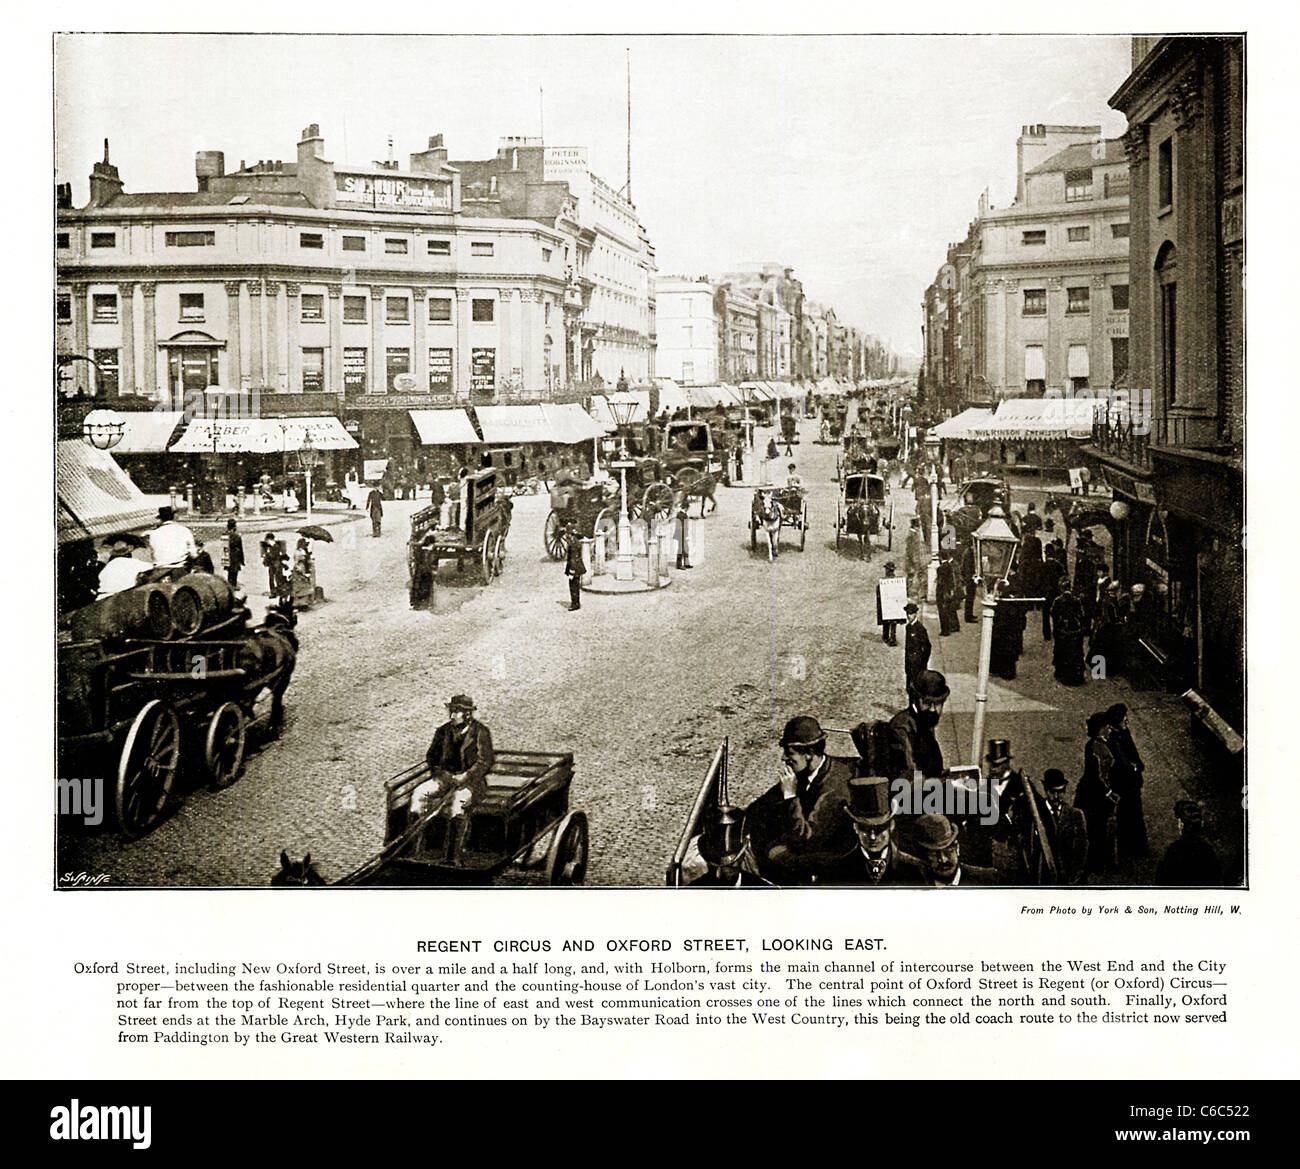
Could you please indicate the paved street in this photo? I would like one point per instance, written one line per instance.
(640, 688)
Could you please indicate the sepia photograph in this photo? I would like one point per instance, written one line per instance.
(644, 461)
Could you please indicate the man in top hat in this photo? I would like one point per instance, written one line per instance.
(1069, 831)
(574, 566)
(889, 629)
(798, 824)
(459, 759)
(1189, 860)
(877, 859)
(916, 644)
(940, 854)
(724, 845)
(172, 544)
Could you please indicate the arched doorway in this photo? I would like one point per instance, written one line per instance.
(193, 364)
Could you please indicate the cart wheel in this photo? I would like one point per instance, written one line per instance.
(223, 751)
(485, 556)
(498, 555)
(147, 767)
(803, 528)
(566, 864)
(657, 502)
(557, 547)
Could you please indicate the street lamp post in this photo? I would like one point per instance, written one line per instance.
(995, 550)
(103, 429)
(624, 410)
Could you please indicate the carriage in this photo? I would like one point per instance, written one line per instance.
(864, 508)
(593, 508)
(858, 454)
(134, 710)
(479, 535)
(793, 513)
(524, 820)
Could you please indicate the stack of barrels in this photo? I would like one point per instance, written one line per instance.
(158, 611)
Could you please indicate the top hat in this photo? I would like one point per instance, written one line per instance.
(934, 832)
(999, 752)
(166, 513)
(231, 525)
(1054, 779)
(803, 731)
(461, 702)
(930, 684)
(723, 836)
(1188, 811)
(868, 801)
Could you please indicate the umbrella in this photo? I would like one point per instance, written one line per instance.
(316, 532)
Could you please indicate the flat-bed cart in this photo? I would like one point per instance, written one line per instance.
(479, 538)
(793, 513)
(132, 713)
(523, 820)
(864, 508)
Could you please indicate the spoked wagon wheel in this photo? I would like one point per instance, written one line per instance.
(485, 556)
(657, 502)
(803, 528)
(498, 554)
(223, 750)
(557, 545)
(150, 757)
(566, 864)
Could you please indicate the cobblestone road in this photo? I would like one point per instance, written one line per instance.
(641, 688)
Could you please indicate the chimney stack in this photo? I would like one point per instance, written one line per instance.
(312, 145)
(105, 185)
(208, 165)
(430, 161)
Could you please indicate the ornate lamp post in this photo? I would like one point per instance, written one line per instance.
(624, 410)
(103, 429)
(995, 550)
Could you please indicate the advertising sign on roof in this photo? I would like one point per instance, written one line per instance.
(399, 191)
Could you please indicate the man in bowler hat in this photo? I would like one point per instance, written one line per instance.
(876, 860)
(1069, 830)
(940, 854)
(916, 643)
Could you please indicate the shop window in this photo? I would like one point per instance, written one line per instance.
(481, 248)
(311, 239)
(440, 247)
(483, 310)
(1119, 231)
(106, 380)
(1078, 185)
(104, 308)
(397, 310)
(1076, 235)
(103, 239)
(313, 306)
(354, 309)
(1119, 297)
(63, 308)
(313, 371)
(191, 306)
(395, 247)
(1035, 302)
(354, 243)
(191, 239)
(1077, 300)
(439, 309)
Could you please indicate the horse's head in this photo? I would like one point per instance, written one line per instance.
(301, 872)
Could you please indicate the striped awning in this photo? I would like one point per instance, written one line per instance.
(963, 425)
(570, 424)
(264, 435)
(443, 427)
(1039, 418)
(147, 431)
(95, 496)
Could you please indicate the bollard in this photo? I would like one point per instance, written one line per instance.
(598, 557)
(172, 493)
(189, 497)
(587, 554)
(241, 500)
(651, 567)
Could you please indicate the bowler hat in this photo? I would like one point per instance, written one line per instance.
(1188, 811)
(166, 513)
(460, 702)
(999, 751)
(802, 731)
(931, 685)
(911, 607)
(889, 566)
(868, 801)
(723, 836)
(1054, 779)
(934, 832)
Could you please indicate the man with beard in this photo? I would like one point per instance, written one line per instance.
(877, 859)
(798, 824)
(940, 855)
(459, 759)
(913, 750)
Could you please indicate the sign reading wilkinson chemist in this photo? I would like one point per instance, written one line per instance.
(398, 191)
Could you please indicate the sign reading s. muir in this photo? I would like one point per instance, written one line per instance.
(397, 191)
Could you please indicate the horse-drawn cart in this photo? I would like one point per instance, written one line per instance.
(477, 535)
(776, 508)
(864, 508)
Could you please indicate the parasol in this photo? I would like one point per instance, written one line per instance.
(316, 532)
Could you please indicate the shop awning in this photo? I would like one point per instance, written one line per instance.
(513, 425)
(95, 496)
(758, 392)
(147, 431)
(443, 427)
(570, 423)
(728, 395)
(671, 397)
(962, 426)
(1039, 418)
(1035, 364)
(703, 397)
(264, 435)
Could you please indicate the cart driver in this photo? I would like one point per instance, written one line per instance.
(459, 759)
(793, 479)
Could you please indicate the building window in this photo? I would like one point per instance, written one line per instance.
(1119, 231)
(354, 243)
(440, 247)
(688, 372)
(688, 338)
(62, 240)
(106, 380)
(399, 362)
(354, 371)
(191, 239)
(63, 308)
(354, 309)
(439, 309)
(1035, 302)
(1165, 173)
(480, 248)
(546, 255)
(1031, 238)
(1077, 299)
(1169, 340)
(311, 239)
(483, 310)
(191, 306)
(1119, 359)
(1078, 185)
(397, 310)
(103, 308)
(1076, 235)
(103, 239)
(1119, 297)
(313, 306)
(395, 247)
(313, 371)
(546, 312)
(1116, 185)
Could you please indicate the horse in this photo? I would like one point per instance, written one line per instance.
(701, 485)
(296, 873)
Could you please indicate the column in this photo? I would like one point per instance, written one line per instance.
(234, 350)
(1100, 373)
(81, 337)
(530, 355)
(126, 358)
(1140, 303)
(507, 314)
(274, 366)
(463, 297)
(334, 358)
(257, 360)
(149, 354)
(293, 364)
(420, 358)
(377, 366)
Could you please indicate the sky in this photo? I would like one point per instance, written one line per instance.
(853, 160)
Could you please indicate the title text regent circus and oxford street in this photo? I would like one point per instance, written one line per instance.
(638, 945)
